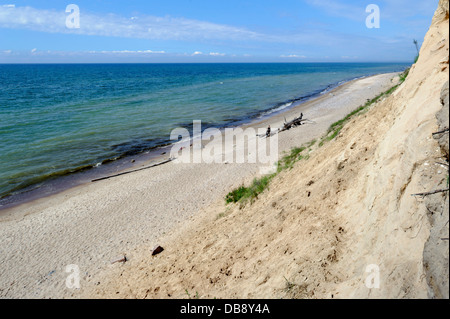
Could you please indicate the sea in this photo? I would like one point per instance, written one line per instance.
(60, 120)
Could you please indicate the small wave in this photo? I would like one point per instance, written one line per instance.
(276, 109)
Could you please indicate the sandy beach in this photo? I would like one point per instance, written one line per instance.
(92, 224)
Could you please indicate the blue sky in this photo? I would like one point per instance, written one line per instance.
(139, 31)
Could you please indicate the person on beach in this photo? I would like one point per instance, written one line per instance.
(268, 132)
(300, 119)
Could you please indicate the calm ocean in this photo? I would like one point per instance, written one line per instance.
(59, 119)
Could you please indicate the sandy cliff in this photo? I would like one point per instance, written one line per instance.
(334, 220)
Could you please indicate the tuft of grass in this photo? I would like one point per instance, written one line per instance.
(404, 75)
(189, 295)
(221, 215)
(236, 195)
(289, 285)
(312, 143)
(244, 194)
(287, 162)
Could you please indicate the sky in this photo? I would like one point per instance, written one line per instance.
(194, 31)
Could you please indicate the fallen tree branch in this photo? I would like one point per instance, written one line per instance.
(295, 122)
(441, 132)
(431, 193)
(288, 125)
(136, 170)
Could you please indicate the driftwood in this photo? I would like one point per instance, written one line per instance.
(295, 122)
(136, 170)
(431, 193)
(121, 259)
(288, 125)
(441, 132)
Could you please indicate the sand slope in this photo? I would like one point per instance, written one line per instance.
(320, 225)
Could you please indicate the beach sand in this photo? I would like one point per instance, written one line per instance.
(91, 225)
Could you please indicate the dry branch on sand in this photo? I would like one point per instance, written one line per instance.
(431, 193)
(295, 122)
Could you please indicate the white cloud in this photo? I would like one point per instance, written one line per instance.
(216, 54)
(33, 50)
(131, 52)
(293, 56)
(309, 41)
(144, 27)
(111, 25)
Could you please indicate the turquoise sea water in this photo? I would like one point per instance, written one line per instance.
(58, 119)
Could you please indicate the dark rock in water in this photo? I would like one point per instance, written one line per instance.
(157, 250)
(133, 161)
(163, 153)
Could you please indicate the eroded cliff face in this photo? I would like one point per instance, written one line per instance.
(389, 227)
(436, 251)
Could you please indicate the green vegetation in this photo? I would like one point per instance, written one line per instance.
(189, 295)
(403, 77)
(417, 48)
(336, 127)
(244, 194)
(289, 160)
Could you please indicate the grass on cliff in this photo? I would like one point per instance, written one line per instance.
(245, 194)
(336, 127)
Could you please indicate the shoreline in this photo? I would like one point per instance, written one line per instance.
(59, 183)
(90, 224)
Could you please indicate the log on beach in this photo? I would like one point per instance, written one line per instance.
(288, 125)
(136, 170)
(295, 122)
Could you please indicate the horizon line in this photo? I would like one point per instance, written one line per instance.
(274, 62)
